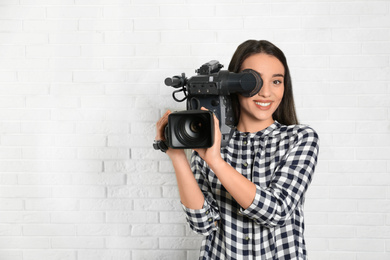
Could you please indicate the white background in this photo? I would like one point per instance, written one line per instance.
(81, 87)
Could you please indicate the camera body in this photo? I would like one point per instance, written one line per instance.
(210, 88)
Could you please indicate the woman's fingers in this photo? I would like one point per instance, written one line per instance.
(160, 126)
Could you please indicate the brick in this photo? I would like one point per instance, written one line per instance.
(104, 254)
(23, 38)
(330, 205)
(50, 254)
(23, 12)
(356, 8)
(270, 22)
(355, 219)
(365, 245)
(324, 231)
(157, 230)
(49, 230)
(176, 243)
(106, 50)
(106, 204)
(249, 9)
(12, 254)
(133, 217)
(131, 37)
(360, 34)
(99, 179)
(358, 113)
(130, 11)
(103, 229)
(107, 153)
(77, 217)
(20, 242)
(132, 242)
(11, 204)
(183, 10)
(25, 64)
(79, 191)
(134, 191)
(51, 204)
(44, 76)
(48, 152)
(49, 25)
(25, 191)
(161, 254)
(375, 48)
(331, 21)
(157, 205)
(72, 242)
(74, 12)
(366, 192)
(168, 217)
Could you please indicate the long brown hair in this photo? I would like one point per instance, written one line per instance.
(285, 113)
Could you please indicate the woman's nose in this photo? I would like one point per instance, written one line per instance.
(264, 91)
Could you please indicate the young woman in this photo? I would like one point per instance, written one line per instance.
(247, 198)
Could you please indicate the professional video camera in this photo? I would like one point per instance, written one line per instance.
(210, 88)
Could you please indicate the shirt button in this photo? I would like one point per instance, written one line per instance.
(210, 220)
(245, 142)
(245, 164)
(207, 212)
(247, 238)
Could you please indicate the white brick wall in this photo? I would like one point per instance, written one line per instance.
(81, 86)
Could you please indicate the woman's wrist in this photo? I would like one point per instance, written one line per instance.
(216, 163)
(176, 154)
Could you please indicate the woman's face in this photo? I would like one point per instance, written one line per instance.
(256, 112)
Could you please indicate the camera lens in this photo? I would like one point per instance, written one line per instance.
(196, 126)
(191, 130)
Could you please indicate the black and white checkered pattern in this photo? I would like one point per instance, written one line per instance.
(280, 161)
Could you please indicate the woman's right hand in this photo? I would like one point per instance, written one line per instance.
(160, 126)
(160, 129)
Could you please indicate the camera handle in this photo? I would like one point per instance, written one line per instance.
(183, 89)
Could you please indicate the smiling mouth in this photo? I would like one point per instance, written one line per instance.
(263, 104)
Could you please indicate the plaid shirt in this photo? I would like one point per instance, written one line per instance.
(280, 161)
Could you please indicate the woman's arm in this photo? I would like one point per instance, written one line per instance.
(274, 205)
(242, 189)
(196, 197)
(190, 194)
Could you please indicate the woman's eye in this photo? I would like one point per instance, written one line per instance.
(277, 82)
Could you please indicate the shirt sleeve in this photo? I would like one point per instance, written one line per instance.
(273, 205)
(202, 221)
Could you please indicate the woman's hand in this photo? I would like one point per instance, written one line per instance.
(160, 126)
(212, 155)
(160, 129)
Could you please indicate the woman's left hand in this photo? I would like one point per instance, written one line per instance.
(212, 155)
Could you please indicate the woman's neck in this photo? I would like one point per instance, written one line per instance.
(253, 126)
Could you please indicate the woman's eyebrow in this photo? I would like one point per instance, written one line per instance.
(274, 75)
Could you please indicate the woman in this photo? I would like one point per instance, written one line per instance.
(247, 198)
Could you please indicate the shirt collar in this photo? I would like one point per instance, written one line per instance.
(271, 130)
